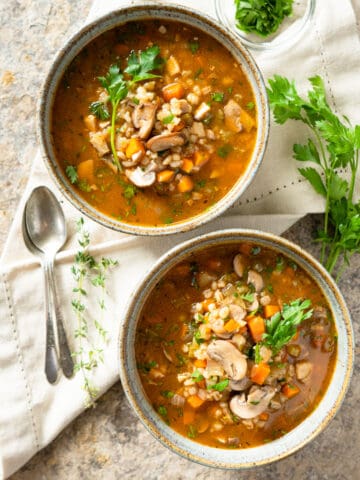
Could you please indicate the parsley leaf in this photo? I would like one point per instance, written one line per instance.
(224, 150)
(197, 376)
(281, 327)
(71, 172)
(220, 387)
(99, 109)
(193, 46)
(261, 17)
(217, 96)
(140, 65)
(168, 119)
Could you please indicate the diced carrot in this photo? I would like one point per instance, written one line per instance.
(259, 372)
(200, 158)
(290, 390)
(257, 327)
(187, 165)
(185, 184)
(264, 416)
(195, 401)
(199, 363)
(246, 120)
(227, 81)
(270, 310)
(189, 415)
(231, 325)
(245, 248)
(85, 171)
(135, 145)
(205, 303)
(173, 90)
(165, 176)
(215, 173)
(121, 49)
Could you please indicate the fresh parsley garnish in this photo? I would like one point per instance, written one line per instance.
(257, 355)
(141, 65)
(250, 105)
(167, 393)
(224, 150)
(220, 387)
(261, 17)
(248, 297)
(168, 119)
(194, 46)
(217, 96)
(197, 376)
(281, 327)
(99, 109)
(71, 172)
(335, 145)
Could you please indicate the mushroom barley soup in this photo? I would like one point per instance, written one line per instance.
(154, 122)
(236, 346)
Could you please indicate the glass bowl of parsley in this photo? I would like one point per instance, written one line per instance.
(266, 25)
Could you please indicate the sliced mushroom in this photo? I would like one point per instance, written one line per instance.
(232, 112)
(303, 370)
(253, 306)
(201, 112)
(255, 279)
(233, 362)
(141, 178)
(108, 159)
(184, 106)
(252, 406)
(240, 385)
(239, 265)
(143, 117)
(237, 313)
(98, 141)
(198, 129)
(164, 142)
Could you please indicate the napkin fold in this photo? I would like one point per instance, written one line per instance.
(32, 412)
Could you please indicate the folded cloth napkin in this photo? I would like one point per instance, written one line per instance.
(32, 412)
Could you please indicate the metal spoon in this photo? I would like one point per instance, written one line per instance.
(44, 231)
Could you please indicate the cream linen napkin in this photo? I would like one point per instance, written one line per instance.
(32, 412)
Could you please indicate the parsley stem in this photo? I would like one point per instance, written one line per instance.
(112, 135)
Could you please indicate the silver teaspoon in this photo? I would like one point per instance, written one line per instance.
(45, 227)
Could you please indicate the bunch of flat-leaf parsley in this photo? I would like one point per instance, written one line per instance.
(334, 150)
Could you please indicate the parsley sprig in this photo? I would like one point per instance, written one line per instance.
(281, 327)
(261, 17)
(88, 273)
(334, 146)
(139, 68)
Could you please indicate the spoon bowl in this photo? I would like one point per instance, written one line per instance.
(45, 221)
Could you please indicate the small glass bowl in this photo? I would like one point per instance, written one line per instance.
(288, 33)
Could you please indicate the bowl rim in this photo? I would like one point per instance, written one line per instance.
(161, 267)
(97, 27)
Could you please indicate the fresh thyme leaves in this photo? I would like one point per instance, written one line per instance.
(139, 68)
(88, 273)
(261, 17)
(281, 327)
(335, 145)
(141, 65)
(71, 173)
(99, 109)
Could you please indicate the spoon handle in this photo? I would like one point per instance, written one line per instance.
(66, 361)
(51, 361)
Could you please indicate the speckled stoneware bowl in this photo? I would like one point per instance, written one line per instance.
(296, 438)
(141, 12)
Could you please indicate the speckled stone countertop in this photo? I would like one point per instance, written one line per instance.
(109, 442)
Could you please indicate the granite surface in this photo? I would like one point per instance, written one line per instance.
(109, 442)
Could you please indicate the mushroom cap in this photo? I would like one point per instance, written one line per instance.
(230, 358)
(255, 279)
(252, 406)
(141, 178)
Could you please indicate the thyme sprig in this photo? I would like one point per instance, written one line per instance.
(88, 273)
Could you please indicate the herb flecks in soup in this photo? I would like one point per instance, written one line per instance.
(236, 346)
(154, 124)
